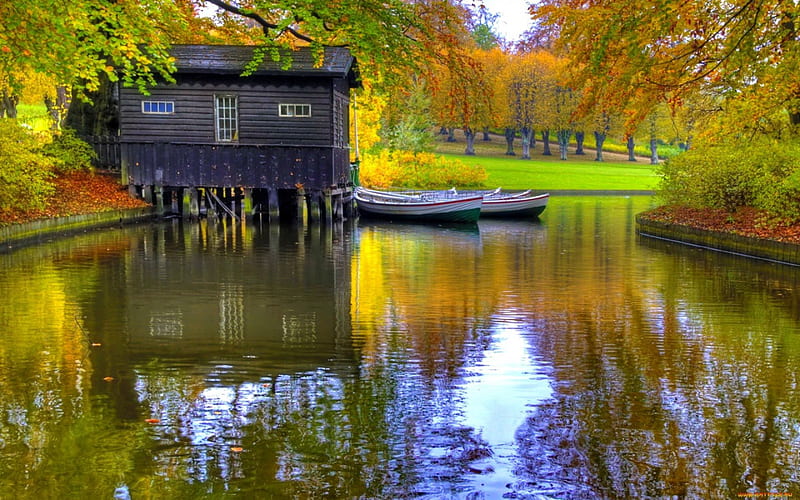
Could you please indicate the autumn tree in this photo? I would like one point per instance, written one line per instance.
(530, 87)
(633, 55)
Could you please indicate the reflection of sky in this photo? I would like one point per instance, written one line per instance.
(502, 389)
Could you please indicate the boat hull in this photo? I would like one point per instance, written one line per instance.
(531, 206)
(462, 210)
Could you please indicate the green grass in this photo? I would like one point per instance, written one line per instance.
(34, 115)
(541, 173)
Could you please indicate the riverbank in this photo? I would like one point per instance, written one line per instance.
(81, 201)
(747, 231)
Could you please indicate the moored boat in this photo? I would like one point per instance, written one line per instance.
(422, 207)
(510, 204)
(514, 204)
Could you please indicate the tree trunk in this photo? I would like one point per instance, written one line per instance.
(563, 142)
(526, 134)
(470, 136)
(8, 105)
(486, 134)
(599, 139)
(579, 137)
(57, 107)
(100, 117)
(451, 134)
(653, 140)
(510, 135)
(546, 143)
(631, 145)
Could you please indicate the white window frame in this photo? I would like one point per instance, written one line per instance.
(226, 117)
(294, 110)
(157, 104)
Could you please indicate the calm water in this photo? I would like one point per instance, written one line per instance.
(560, 359)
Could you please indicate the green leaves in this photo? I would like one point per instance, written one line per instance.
(77, 41)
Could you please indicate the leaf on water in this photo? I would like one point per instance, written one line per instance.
(108, 379)
(152, 420)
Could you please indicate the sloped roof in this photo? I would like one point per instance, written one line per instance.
(232, 59)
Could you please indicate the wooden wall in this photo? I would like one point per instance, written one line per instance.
(259, 123)
(281, 167)
(180, 149)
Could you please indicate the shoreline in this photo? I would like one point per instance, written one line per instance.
(753, 247)
(15, 236)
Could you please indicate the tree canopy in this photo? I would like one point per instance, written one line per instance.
(636, 54)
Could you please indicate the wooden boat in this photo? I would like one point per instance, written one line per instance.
(523, 204)
(510, 204)
(444, 206)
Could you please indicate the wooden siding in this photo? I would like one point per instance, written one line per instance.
(258, 100)
(183, 165)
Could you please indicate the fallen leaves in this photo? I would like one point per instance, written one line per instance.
(79, 193)
(745, 221)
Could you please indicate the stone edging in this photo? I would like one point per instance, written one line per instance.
(776, 251)
(17, 235)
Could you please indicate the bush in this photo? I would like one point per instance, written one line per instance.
(70, 152)
(760, 174)
(388, 168)
(24, 171)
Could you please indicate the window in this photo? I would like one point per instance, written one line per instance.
(158, 107)
(227, 118)
(294, 110)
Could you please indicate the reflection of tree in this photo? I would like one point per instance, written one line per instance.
(60, 434)
(670, 379)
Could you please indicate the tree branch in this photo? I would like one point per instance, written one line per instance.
(266, 25)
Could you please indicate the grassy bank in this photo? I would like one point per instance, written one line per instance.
(551, 173)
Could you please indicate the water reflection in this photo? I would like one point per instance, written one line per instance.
(560, 359)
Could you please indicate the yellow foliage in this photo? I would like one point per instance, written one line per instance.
(388, 168)
(365, 115)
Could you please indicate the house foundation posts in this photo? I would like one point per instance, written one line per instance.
(302, 206)
(248, 207)
(273, 210)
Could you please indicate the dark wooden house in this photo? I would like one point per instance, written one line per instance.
(264, 141)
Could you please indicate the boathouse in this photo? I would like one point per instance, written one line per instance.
(275, 141)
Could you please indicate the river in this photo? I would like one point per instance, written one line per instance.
(559, 358)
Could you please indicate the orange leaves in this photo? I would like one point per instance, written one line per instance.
(745, 221)
(79, 193)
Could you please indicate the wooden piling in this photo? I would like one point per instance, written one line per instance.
(302, 206)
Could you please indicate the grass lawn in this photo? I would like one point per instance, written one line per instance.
(543, 173)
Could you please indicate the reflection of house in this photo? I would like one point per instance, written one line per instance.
(274, 296)
(262, 137)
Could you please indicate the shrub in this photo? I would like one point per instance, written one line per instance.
(24, 171)
(70, 152)
(388, 168)
(759, 174)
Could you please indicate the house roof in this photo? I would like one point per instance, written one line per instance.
(232, 59)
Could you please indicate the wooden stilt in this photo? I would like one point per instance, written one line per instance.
(173, 200)
(247, 203)
(158, 192)
(314, 208)
(147, 195)
(273, 209)
(338, 208)
(302, 206)
(191, 207)
(327, 204)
